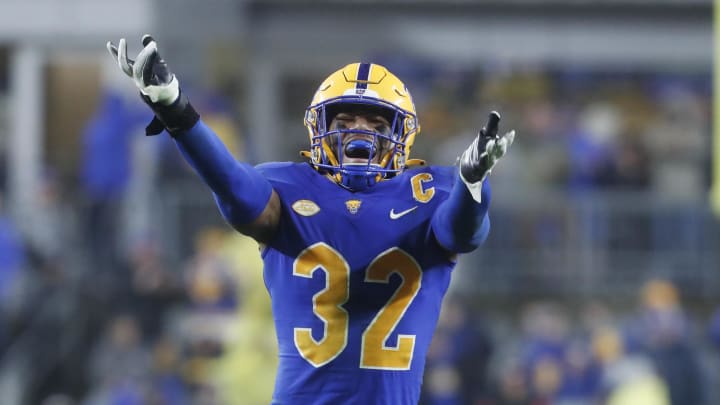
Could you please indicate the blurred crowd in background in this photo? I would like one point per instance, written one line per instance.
(134, 292)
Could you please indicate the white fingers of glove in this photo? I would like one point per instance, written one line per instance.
(123, 61)
(140, 68)
(120, 55)
(496, 149)
(503, 144)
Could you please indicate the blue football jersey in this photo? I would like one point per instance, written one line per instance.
(356, 281)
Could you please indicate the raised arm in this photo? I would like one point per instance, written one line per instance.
(461, 222)
(245, 198)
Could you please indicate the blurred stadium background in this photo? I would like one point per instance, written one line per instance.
(600, 282)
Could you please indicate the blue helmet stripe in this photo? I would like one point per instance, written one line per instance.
(362, 76)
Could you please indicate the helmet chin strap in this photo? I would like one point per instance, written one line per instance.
(357, 178)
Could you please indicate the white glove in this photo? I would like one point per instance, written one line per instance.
(149, 71)
(478, 160)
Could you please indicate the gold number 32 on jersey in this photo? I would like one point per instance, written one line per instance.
(327, 305)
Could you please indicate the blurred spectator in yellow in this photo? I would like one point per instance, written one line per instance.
(230, 354)
(211, 283)
(206, 325)
(627, 379)
(545, 380)
(245, 373)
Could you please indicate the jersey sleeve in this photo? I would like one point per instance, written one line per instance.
(460, 224)
(241, 192)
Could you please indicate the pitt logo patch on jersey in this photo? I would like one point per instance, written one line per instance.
(305, 208)
(353, 205)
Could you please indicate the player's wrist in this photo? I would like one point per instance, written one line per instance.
(177, 117)
(474, 187)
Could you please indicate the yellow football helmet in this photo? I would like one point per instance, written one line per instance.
(365, 86)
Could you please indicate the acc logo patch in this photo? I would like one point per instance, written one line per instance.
(353, 205)
(305, 208)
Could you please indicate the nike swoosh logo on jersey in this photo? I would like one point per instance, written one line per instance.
(396, 215)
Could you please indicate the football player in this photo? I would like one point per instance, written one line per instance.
(358, 243)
